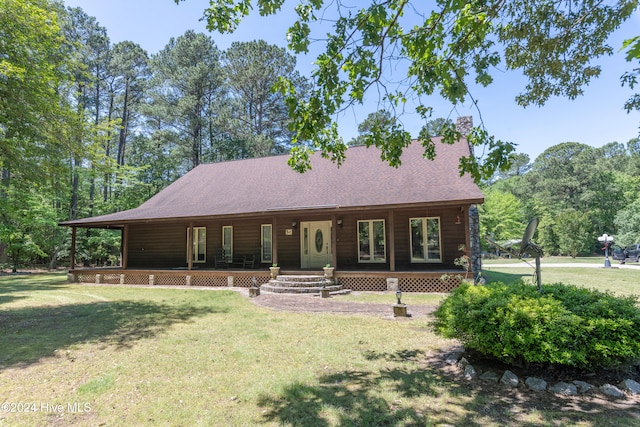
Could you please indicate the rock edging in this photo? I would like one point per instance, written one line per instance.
(509, 379)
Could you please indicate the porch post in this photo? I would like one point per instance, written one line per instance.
(190, 246)
(72, 261)
(124, 246)
(334, 241)
(392, 243)
(274, 241)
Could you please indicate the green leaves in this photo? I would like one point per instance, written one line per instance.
(33, 63)
(187, 82)
(574, 232)
(389, 136)
(397, 53)
(555, 45)
(502, 216)
(631, 78)
(225, 15)
(28, 223)
(298, 37)
(633, 48)
(564, 325)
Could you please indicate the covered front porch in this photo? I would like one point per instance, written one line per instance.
(372, 281)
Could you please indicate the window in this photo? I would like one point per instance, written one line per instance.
(227, 242)
(266, 243)
(371, 241)
(199, 240)
(425, 240)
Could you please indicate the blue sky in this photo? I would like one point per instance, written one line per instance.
(595, 119)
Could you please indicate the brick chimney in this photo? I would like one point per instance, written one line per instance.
(464, 125)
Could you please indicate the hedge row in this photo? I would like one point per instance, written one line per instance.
(563, 325)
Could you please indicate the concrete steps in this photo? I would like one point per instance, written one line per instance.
(302, 284)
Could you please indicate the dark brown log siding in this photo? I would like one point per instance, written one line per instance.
(288, 246)
(157, 246)
(164, 245)
(246, 236)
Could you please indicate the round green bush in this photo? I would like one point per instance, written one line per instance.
(563, 325)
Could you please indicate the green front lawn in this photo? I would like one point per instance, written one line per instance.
(552, 260)
(617, 280)
(110, 355)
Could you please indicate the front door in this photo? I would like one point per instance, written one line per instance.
(315, 244)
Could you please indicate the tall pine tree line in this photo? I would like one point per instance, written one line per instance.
(89, 127)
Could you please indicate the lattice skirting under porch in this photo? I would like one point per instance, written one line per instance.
(428, 284)
(355, 281)
(412, 283)
(363, 283)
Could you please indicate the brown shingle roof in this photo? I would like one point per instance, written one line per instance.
(268, 184)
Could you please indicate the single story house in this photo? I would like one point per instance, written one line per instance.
(225, 223)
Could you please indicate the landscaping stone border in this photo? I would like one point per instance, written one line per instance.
(627, 387)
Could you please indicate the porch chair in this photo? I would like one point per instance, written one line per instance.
(220, 260)
(252, 261)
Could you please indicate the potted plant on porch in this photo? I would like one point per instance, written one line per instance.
(328, 271)
(275, 270)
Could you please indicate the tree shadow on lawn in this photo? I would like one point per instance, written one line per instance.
(30, 333)
(354, 396)
(357, 398)
(11, 284)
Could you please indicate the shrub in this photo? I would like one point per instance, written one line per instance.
(563, 325)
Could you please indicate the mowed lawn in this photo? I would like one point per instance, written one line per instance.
(122, 356)
(588, 272)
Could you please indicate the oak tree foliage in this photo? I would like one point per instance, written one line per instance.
(443, 48)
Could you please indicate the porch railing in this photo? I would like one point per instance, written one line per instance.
(432, 281)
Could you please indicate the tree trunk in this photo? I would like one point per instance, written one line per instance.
(75, 184)
(122, 142)
(106, 187)
(76, 160)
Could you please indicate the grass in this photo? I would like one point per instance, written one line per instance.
(120, 356)
(616, 280)
(551, 260)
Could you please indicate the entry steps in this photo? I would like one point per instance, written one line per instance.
(303, 284)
